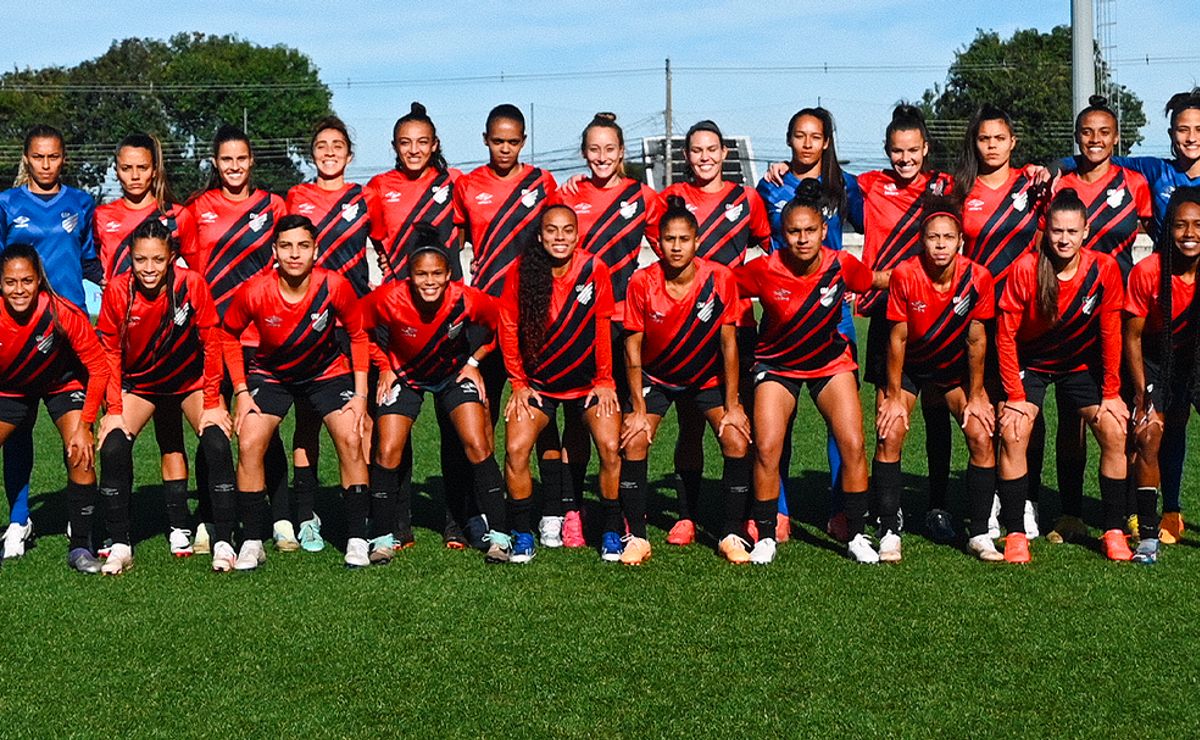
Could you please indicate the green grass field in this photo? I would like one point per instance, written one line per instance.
(438, 644)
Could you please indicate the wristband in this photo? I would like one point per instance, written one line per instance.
(360, 395)
(472, 361)
(244, 390)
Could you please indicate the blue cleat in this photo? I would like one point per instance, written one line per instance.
(522, 548)
(611, 548)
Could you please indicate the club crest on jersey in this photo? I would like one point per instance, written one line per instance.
(349, 211)
(483, 198)
(528, 197)
(1116, 196)
(583, 293)
(45, 343)
(112, 227)
(918, 306)
(733, 212)
(829, 295)
(779, 205)
(1089, 304)
(208, 217)
(69, 221)
(273, 321)
(962, 304)
(306, 209)
(782, 294)
(392, 196)
(704, 309)
(1020, 200)
(440, 193)
(258, 221)
(628, 209)
(181, 314)
(938, 187)
(320, 320)
(454, 330)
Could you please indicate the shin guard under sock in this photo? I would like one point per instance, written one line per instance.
(358, 505)
(1012, 503)
(116, 486)
(855, 506)
(887, 481)
(1147, 513)
(689, 493)
(735, 480)
(254, 513)
(304, 487)
(1112, 500)
(634, 483)
(981, 489)
(489, 493)
(216, 460)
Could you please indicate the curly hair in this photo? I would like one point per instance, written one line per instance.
(1166, 249)
(535, 288)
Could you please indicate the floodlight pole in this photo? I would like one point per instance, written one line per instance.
(667, 138)
(1083, 54)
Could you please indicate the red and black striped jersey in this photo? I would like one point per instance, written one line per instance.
(892, 214)
(342, 226)
(233, 240)
(1115, 203)
(54, 350)
(297, 341)
(576, 354)
(428, 351)
(1142, 299)
(938, 321)
(501, 219)
(1001, 224)
(166, 345)
(612, 222)
(681, 344)
(799, 336)
(1086, 335)
(398, 203)
(115, 223)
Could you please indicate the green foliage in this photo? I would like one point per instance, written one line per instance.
(1029, 76)
(181, 89)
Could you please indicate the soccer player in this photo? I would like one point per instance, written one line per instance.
(1160, 353)
(159, 328)
(938, 302)
(295, 309)
(430, 349)
(801, 289)
(555, 335)
(1059, 323)
(732, 220)
(681, 347)
(51, 354)
(57, 220)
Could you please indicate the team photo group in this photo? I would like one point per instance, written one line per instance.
(347, 305)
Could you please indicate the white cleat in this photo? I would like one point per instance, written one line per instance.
(763, 552)
(550, 531)
(251, 555)
(994, 519)
(203, 542)
(119, 560)
(15, 538)
(223, 557)
(1031, 520)
(984, 548)
(860, 549)
(181, 542)
(358, 553)
(889, 548)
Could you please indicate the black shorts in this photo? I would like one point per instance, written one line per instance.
(17, 409)
(763, 374)
(325, 396)
(915, 382)
(747, 340)
(549, 406)
(406, 400)
(618, 360)
(1078, 390)
(879, 333)
(659, 398)
(1155, 387)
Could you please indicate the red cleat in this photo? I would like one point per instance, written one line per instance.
(1115, 546)
(1016, 548)
(683, 533)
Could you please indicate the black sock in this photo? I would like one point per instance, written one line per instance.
(937, 450)
(518, 515)
(204, 502)
(735, 480)
(81, 506)
(457, 485)
(981, 490)
(1035, 455)
(304, 485)
(116, 489)
(856, 511)
(887, 482)
(385, 494)
(611, 512)
(572, 484)
(633, 495)
(1112, 500)
(216, 460)
(489, 493)
(1147, 511)
(275, 470)
(358, 505)
(550, 472)
(254, 512)
(1012, 503)
(175, 492)
(404, 491)
(689, 493)
(763, 514)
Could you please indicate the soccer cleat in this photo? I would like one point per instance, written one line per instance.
(1147, 552)
(993, 529)
(453, 537)
(15, 538)
(783, 528)
(1031, 520)
(984, 548)
(1131, 526)
(1115, 546)
(763, 552)
(752, 530)
(1170, 529)
(310, 535)
(357, 553)
(119, 560)
(202, 544)
(181, 543)
(499, 548)
(477, 529)
(284, 535)
(82, 560)
(860, 549)
(223, 557)
(636, 550)
(550, 531)
(105, 548)
(889, 547)
(382, 550)
(938, 524)
(838, 527)
(1068, 529)
(734, 549)
(250, 556)
(572, 530)
(403, 539)
(522, 548)
(683, 533)
(1016, 548)
(611, 547)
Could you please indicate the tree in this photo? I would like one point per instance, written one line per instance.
(1029, 76)
(181, 89)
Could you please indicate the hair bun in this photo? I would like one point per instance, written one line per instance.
(605, 116)
(906, 111)
(1098, 101)
(676, 202)
(417, 109)
(810, 189)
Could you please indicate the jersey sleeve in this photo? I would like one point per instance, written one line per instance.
(985, 307)
(83, 341)
(93, 271)
(1110, 329)
(605, 307)
(189, 249)
(211, 336)
(510, 346)
(1143, 288)
(1140, 190)
(635, 303)
(854, 202)
(375, 215)
(897, 302)
(458, 200)
(113, 303)
(482, 309)
(858, 276)
(345, 303)
(749, 277)
(727, 288)
(655, 207)
(602, 278)
(237, 318)
(1148, 167)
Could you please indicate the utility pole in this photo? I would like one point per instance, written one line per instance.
(532, 138)
(1083, 55)
(245, 122)
(667, 139)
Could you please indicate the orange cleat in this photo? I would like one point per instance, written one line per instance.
(683, 533)
(1016, 548)
(1170, 529)
(636, 552)
(733, 549)
(1115, 545)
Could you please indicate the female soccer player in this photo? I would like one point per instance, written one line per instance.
(1160, 355)
(555, 329)
(57, 220)
(234, 222)
(159, 328)
(1059, 323)
(429, 349)
(49, 353)
(801, 289)
(732, 219)
(938, 302)
(682, 347)
(295, 309)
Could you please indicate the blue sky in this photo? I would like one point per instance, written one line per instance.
(399, 41)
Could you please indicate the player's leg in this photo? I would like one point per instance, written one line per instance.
(306, 452)
(938, 444)
(1171, 456)
(737, 466)
(605, 431)
(635, 481)
(887, 479)
(981, 475)
(18, 468)
(774, 402)
(521, 434)
(1110, 435)
(837, 400)
(168, 432)
(81, 493)
(116, 481)
(343, 427)
(1146, 475)
(470, 420)
(1070, 455)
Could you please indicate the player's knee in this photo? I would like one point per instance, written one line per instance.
(477, 449)
(609, 451)
(117, 449)
(1148, 440)
(733, 444)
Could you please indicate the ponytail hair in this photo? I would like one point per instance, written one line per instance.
(39, 131)
(160, 188)
(809, 194)
(677, 210)
(1166, 248)
(832, 180)
(906, 117)
(152, 228)
(427, 239)
(29, 253)
(969, 161)
(608, 121)
(225, 134)
(1096, 104)
(1066, 200)
(417, 112)
(1179, 102)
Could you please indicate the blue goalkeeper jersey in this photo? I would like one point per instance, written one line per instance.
(777, 196)
(1163, 176)
(60, 228)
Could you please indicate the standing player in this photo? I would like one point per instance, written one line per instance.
(158, 326)
(57, 220)
(1160, 355)
(555, 334)
(295, 309)
(49, 353)
(801, 289)
(938, 302)
(682, 347)
(732, 219)
(1059, 323)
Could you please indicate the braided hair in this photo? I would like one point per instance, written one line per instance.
(1167, 250)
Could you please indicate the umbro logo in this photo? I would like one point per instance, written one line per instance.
(583, 208)
(781, 294)
(974, 204)
(273, 321)
(208, 217)
(483, 198)
(21, 222)
(306, 209)
(392, 196)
